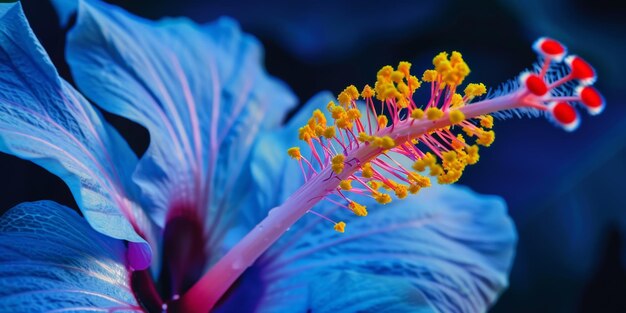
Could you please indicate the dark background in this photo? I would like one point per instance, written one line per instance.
(565, 190)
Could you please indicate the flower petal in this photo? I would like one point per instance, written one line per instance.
(44, 120)
(52, 260)
(454, 246)
(199, 90)
(451, 247)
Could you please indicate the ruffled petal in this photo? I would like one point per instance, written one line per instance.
(44, 120)
(201, 92)
(51, 260)
(447, 249)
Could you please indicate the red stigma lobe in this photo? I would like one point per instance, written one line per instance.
(535, 84)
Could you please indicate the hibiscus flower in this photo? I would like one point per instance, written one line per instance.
(202, 220)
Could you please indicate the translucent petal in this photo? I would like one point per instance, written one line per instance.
(44, 120)
(51, 260)
(201, 92)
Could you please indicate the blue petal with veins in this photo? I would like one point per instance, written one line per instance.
(52, 260)
(44, 120)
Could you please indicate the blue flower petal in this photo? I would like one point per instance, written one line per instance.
(364, 294)
(44, 120)
(201, 92)
(51, 260)
(453, 248)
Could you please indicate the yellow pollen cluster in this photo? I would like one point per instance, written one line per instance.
(337, 163)
(358, 209)
(395, 85)
(348, 95)
(433, 113)
(432, 123)
(417, 114)
(346, 184)
(294, 153)
(384, 142)
(381, 198)
(452, 71)
(315, 127)
(486, 138)
(486, 121)
(368, 92)
(475, 90)
(367, 171)
(450, 170)
(340, 227)
(456, 116)
(457, 101)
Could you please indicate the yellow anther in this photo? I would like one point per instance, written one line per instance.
(340, 227)
(368, 92)
(387, 143)
(336, 111)
(449, 156)
(403, 88)
(472, 154)
(429, 76)
(486, 121)
(417, 114)
(397, 76)
(374, 184)
(433, 113)
(345, 184)
(414, 188)
(344, 98)
(344, 123)
(359, 210)
(427, 160)
(456, 58)
(294, 153)
(367, 171)
(475, 90)
(402, 103)
(382, 198)
(319, 117)
(436, 170)
(329, 132)
(440, 59)
(423, 182)
(352, 92)
(486, 138)
(377, 142)
(364, 137)
(319, 130)
(354, 114)
(382, 121)
(457, 101)
(305, 133)
(384, 74)
(414, 83)
(337, 163)
(456, 116)
(401, 191)
(404, 67)
(389, 91)
(469, 131)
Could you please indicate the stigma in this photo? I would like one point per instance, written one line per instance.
(380, 144)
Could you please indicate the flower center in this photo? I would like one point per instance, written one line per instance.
(183, 261)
